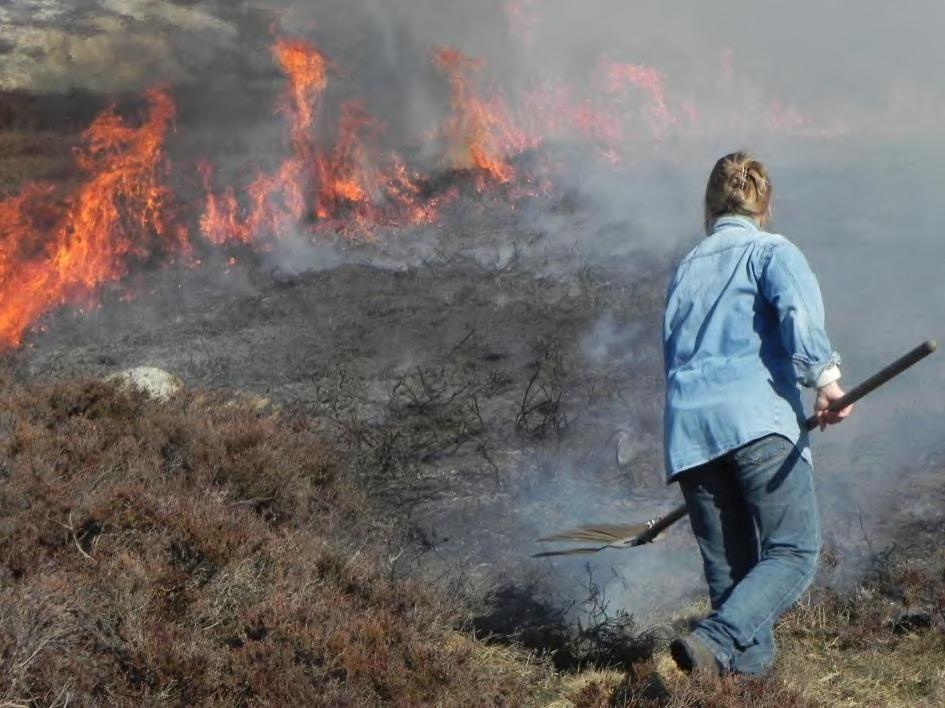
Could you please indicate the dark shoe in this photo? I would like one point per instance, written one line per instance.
(692, 656)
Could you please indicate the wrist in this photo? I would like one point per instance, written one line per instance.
(828, 377)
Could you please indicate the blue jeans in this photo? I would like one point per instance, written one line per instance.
(754, 515)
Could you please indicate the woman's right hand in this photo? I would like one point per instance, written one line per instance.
(825, 396)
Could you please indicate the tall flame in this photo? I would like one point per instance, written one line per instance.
(358, 186)
(347, 179)
(117, 214)
(276, 202)
(306, 69)
(479, 133)
(346, 185)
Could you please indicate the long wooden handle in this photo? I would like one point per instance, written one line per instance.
(855, 394)
(878, 379)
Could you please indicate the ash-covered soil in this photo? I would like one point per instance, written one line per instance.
(485, 396)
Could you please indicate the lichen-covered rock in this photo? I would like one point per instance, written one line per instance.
(54, 45)
(157, 383)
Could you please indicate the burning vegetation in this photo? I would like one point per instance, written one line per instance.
(56, 249)
(62, 242)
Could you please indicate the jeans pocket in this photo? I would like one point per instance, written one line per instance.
(763, 450)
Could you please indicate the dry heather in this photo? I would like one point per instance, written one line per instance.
(186, 553)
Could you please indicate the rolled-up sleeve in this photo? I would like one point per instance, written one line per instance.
(791, 287)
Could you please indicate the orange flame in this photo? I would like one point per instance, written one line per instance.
(555, 110)
(277, 202)
(219, 222)
(359, 186)
(478, 133)
(346, 182)
(119, 213)
(306, 69)
(347, 179)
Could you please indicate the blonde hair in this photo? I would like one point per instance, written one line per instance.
(738, 185)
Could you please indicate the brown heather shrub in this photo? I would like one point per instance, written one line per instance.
(189, 553)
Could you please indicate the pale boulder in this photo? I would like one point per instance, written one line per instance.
(157, 383)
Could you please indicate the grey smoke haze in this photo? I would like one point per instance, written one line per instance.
(857, 179)
(873, 64)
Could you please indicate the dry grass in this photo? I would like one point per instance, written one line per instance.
(658, 684)
(881, 646)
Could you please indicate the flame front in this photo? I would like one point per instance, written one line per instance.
(276, 202)
(60, 246)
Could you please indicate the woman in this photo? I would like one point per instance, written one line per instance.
(744, 325)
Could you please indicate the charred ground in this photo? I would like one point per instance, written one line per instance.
(468, 397)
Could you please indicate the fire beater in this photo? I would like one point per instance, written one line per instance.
(633, 535)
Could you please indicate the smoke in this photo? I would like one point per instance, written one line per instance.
(842, 103)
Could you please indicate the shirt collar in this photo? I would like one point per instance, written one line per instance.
(734, 220)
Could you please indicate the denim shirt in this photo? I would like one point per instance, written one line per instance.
(744, 325)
